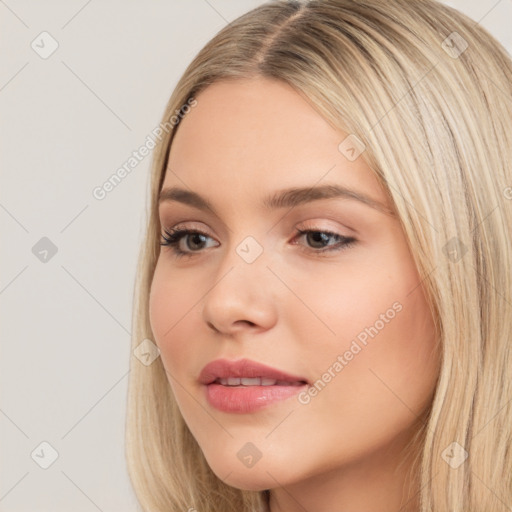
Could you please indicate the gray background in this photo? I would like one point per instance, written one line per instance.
(68, 122)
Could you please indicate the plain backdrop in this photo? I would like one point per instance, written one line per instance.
(69, 120)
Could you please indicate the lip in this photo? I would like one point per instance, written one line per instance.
(246, 399)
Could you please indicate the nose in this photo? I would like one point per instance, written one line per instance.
(242, 297)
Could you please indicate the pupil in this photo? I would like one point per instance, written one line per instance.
(322, 236)
(194, 237)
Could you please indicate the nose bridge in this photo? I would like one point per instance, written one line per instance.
(239, 292)
(249, 250)
(243, 267)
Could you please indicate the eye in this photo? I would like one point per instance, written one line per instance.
(319, 240)
(172, 238)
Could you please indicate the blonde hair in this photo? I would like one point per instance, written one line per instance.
(428, 91)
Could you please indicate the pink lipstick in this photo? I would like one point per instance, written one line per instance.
(246, 386)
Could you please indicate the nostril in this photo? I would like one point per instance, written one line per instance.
(252, 324)
(236, 324)
(209, 324)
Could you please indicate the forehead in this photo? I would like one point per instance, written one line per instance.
(259, 135)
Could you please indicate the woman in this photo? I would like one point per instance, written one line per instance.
(327, 269)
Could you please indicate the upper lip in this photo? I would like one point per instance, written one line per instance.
(224, 368)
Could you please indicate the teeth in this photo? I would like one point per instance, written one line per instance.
(246, 381)
(254, 381)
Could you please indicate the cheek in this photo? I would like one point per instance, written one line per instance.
(170, 301)
(381, 345)
(382, 384)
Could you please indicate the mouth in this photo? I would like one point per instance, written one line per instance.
(246, 386)
(255, 381)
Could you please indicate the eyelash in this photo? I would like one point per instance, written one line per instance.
(171, 238)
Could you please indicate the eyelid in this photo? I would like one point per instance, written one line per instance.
(329, 210)
(308, 225)
(189, 225)
(319, 224)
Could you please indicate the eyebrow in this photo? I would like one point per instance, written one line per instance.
(288, 198)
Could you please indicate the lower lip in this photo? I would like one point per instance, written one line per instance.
(240, 399)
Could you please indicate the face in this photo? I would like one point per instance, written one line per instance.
(321, 290)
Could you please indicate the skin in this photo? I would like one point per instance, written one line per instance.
(293, 308)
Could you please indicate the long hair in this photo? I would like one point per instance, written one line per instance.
(429, 93)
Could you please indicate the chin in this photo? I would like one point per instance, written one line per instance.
(246, 480)
(256, 478)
